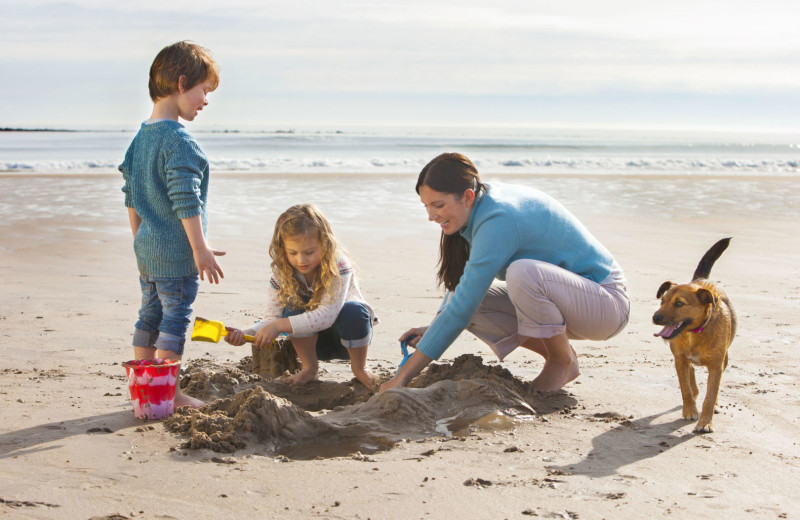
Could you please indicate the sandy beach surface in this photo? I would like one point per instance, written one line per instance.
(469, 442)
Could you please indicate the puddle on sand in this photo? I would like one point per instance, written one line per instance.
(491, 422)
(445, 399)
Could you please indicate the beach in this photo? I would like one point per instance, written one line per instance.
(611, 445)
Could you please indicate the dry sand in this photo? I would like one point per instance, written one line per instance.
(470, 442)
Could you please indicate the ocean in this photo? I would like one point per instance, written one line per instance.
(350, 173)
(407, 150)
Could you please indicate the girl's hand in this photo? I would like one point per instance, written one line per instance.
(234, 336)
(266, 335)
(418, 332)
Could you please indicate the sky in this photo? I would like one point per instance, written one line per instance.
(709, 64)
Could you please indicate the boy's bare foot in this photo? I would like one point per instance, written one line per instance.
(182, 399)
(554, 376)
(367, 379)
(301, 378)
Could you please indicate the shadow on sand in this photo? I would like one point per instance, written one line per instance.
(28, 440)
(629, 442)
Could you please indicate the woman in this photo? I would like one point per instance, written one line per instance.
(519, 270)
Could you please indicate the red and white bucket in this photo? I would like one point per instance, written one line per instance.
(152, 383)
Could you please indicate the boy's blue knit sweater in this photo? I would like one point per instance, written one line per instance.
(508, 223)
(166, 180)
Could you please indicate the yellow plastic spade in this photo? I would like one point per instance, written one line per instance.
(213, 331)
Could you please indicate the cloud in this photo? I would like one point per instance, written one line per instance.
(99, 52)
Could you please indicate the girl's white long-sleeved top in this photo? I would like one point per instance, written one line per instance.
(324, 316)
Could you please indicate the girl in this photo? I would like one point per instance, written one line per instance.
(519, 270)
(313, 290)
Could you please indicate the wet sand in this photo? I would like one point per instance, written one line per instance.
(468, 441)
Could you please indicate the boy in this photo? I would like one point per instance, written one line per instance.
(166, 191)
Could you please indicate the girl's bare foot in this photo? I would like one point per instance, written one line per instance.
(555, 376)
(301, 378)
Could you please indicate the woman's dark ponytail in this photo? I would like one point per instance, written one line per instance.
(451, 173)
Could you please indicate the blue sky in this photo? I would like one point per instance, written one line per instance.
(680, 64)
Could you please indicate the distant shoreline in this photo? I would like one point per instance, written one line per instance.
(213, 131)
(36, 130)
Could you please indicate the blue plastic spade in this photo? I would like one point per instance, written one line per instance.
(404, 349)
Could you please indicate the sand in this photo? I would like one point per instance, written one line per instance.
(469, 441)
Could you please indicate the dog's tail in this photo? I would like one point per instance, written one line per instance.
(711, 256)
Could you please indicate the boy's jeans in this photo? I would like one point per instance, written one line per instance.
(165, 312)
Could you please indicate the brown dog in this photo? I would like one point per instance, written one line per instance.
(699, 323)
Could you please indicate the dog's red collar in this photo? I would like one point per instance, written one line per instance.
(708, 318)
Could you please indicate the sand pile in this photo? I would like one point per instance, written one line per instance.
(204, 379)
(208, 380)
(275, 360)
(272, 416)
(224, 425)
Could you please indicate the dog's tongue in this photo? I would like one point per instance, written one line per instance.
(667, 331)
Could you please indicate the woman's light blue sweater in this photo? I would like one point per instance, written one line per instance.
(166, 180)
(508, 223)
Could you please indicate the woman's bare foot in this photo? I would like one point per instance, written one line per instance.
(554, 376)
(301, 378)
(367, 379)
(182, 399)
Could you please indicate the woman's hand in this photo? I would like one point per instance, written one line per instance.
(415, 364)
(392, 383)
(234, 336)
(418, 332)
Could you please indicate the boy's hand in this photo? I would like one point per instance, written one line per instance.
(203, 255)
(207, 264)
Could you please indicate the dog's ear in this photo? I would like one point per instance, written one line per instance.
(704, 296)
(664, 288)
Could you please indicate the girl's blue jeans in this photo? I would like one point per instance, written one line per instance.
(353, 325)
(165, 313)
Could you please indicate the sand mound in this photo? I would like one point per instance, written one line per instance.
(444, 399)
(275, 360)
(207, 380)
(254, 414)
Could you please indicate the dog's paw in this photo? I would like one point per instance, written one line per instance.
(690, 413)
(704, 428)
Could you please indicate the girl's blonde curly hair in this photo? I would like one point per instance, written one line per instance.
(303, 220)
